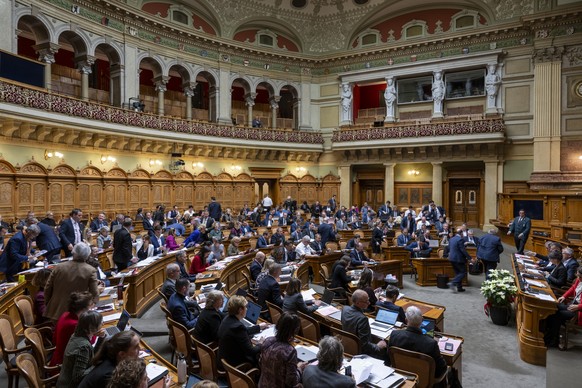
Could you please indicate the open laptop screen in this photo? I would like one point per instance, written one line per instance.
(387, 316)
(253, 312)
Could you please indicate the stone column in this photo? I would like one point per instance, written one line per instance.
(223, 96)
(547, 108)
(213, 97)
(189, 88)
(303, 113)
(491, 190)
(8, 41)
(389, 182)
(160, 83)
(345, 174)
(437, 183)
(130, 75)
(274, 102)
(296, 109)
(84, 65)
(438, 94)
(46, 54)
(250, 102)
(117, 73)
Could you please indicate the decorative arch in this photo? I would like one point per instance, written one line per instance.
(64, 170)
(242, 80)
(39, 25)
(91, 171)
(33, 168)
(140, 173)
(115, 172)
(307, 178)
(163, 174)
(182, 68)
(154, 62)
(184, 175)
(204, 176)
(289, 178)
(267, 84)
(277, 27)
(77, 39)
(224, 177)
(6, 168)
(208, 74)
(112, 50)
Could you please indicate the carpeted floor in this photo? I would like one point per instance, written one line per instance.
(490, 354)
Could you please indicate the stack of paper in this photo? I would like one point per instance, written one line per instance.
(535, 283)
(327, 310)
(308, 295)
(155, 373)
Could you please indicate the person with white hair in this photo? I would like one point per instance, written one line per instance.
(412, 338)
(488, 251)
(326, 373)
(68, 277)
(570, 263)
(304, 248)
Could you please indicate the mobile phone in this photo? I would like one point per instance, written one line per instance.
(449, 347)
(348, 370)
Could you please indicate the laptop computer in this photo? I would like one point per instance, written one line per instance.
(106, 244)
(225, 305)
(427, 327)
(253, 312)
(385, 320)
(304, 354)
(327, 298)
(241, 292)
(121, 324)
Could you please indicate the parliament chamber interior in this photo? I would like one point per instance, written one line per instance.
(226, 139)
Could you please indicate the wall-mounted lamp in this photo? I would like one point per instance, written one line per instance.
(413, 172)
(155, 162)
(196, 165)
(580, 157)
(49, 154)
(107, 158)
(235, 168)
(300, 169)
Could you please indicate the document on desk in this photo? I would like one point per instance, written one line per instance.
(155, 373)
(268, 332)
(308, 295)
(327, 310)
(111, 317)
(443, 341)
(549, 298)
(535, 283)
(374, 372)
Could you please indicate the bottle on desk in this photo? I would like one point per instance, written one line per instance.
(182, 369)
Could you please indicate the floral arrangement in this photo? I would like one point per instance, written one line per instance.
(500, 289)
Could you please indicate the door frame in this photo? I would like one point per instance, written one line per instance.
(457, 175)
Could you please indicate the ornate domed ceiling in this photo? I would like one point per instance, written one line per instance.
(323, 26)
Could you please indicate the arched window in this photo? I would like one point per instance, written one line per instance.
(180, 14)
(266, 38)
(368, 38)
(414, 29)
(464, 20)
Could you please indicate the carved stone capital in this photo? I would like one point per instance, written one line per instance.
(46, 52)
(84, 64)
(548, 54)
(161, 82)
(250, 99)
(274, 102)
(189, 88)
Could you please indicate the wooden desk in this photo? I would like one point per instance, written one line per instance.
(429, 268)
(531, 312)
(400, 254)
(8, 307)
(172, 370)
(315, 261)
(430, 311)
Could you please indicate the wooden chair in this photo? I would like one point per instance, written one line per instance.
(325, 275)
(253, 243)
(275, 312)
(34, 338)
(24, 305)
(419, 363)
(240, 376)
(9, 347)
(207, 358)
(172, 339)
(26, 366)
(164, 297)
(349, 298)
(184, 343)
(251, 286)
(570, 326)
(343, 245)
(112, 264)
(350, 341)
(332, 245)
(309, 327)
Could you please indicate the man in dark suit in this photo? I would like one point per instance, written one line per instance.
(326, 231)
(458, 257)
(385, 211)
(157, 240)
(263, 240)
(332, 203)
(520, 228)
(471, 239)
(570, 263)
(403, 239)
(207, 220)
(278, 236)
(257, 265)
(17, 252)
(98, 223)
(148, 223)
(48, 241)
(317, 245)
(358, 256)
(488, 251)
(122, 246)
(214, 210)
(268, 221)
(558, 276)
(71, 231)
(269, 289)
(413, 339)
(177, 305)
(354, 321)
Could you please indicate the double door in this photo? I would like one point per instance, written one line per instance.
(465, 202)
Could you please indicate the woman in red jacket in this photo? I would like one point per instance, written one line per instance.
(565, 311)
(199, 263)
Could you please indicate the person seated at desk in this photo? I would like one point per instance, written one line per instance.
(278, 360)
(206, 329)
(269, 289)
(278, 236)
(339, 276)
(181, 262)
(102, 276)
(193, 239)
(412, 338)
(293, 300)
(122, 346)
(133, 374)
(79, 302)
(419, 247)
(233, 247)
(200, 261)
(171, 244)
(236, 230)
(234, 343)
(288, 253)
(177, 305)
(471, 240)
(570, 263)
(216, 251)
(304, 248)
(566, 311)
(103, 237)
(318, 245)
(559, 274)
(354, 321)
(262, 241)
(387, 302)
(543, 261)
(257, 265)
(98, 223)
(267, 265)
(358, 256)
(79, 350)
(326, 374)
(353, 241)
(145, 248)
(365, 284)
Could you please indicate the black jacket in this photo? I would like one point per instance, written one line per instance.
(206, 329)
(412, 339)
(234, 343)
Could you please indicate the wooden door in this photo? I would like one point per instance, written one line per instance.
(372, 192)
(465, 202)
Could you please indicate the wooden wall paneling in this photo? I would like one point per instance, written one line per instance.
(31, 189)
(308, 189)
(184, 190)
(162, 183)
(203, 190)
(244, 191)
(573, 210)
(90, 191)
(556, 209)
(225, 190)
(288, 186)
(330, 185)
(7, 191)
(412, 194)
(62, 185)
(115, 182)
(138, 194)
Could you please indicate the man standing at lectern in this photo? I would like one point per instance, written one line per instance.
(520, 228)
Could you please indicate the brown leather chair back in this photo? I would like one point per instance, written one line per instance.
(237, 378)
(309, 327)
(350, 341)
(415, 362)
(275, 312)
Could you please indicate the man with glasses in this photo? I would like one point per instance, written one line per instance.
(354, 321)
(169, 286)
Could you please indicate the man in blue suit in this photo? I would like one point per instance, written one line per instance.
(520, 228)
(47, 240)
(177, 305)
(326, 232)
(71, 231)
(458, 257)
(488, 251)
(262, 241)
(158, 241)
(16, 252)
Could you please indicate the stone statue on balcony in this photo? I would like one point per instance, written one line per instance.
(390, 98)
(347, 98)
(492, 82)
(438, 94)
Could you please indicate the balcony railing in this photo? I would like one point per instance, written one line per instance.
(41, 99)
